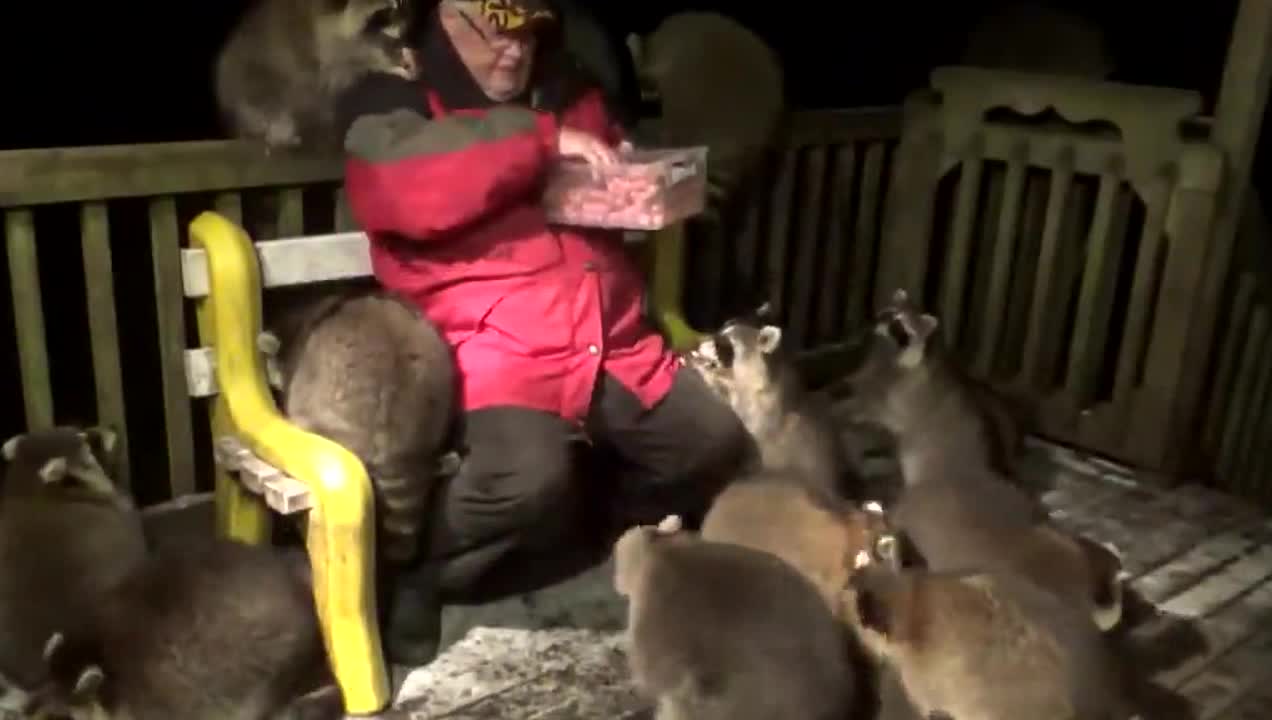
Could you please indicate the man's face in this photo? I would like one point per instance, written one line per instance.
(499, 60)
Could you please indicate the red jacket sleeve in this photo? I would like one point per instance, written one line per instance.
(418, 177)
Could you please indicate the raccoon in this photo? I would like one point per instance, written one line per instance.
(721, 86)
(969, 519)
(280, 70)
(365, 369)
(220, 631)
(987, 645)
(1033, 37)
(722, 632)
(959, 509)
(67, 535)
(782, 518)
(908, 383)
(745, 364)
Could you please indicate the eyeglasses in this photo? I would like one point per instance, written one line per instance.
(493, 38)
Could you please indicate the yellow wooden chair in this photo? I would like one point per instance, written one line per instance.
(304, 471)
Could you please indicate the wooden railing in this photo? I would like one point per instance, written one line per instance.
(110, 346)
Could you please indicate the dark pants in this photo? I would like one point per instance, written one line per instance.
(530, 488)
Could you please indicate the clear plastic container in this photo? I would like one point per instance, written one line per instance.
(648, 190)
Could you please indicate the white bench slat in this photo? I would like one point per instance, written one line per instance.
(290, 261)
(200, 370)
(304, 260)
(284, 494)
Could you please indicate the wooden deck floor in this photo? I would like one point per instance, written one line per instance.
(1199, 621)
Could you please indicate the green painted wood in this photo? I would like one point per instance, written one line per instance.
(165, 248)
(28, 312)
(103, 328)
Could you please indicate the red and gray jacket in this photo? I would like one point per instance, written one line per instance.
(447, 186)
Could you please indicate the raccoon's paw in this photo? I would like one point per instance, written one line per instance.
(670, 525)
(268, 343)
(281, 133)
(874, 507)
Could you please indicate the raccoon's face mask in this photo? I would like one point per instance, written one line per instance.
(737, 360)
(62, 456)
(898, 345)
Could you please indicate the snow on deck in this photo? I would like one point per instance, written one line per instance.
(1199, 620)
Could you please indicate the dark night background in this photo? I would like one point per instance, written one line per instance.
(118, 73)
(94, 73)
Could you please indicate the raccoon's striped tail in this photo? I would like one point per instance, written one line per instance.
(402, 499)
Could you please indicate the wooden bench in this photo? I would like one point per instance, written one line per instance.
(266, 465)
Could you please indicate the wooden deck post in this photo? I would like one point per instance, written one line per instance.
(1238, 120)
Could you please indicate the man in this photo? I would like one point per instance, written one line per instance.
(545, 321)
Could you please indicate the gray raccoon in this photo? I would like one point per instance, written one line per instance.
(722, 632)
(220, 631)
(908, 384)
(67, 535)
(279, 71)
(956, 447)
(1033, 37)
(720, 85)
(987, 646)
(745, 364)
(365, 369)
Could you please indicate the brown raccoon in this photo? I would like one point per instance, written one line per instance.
(766, 513)
(722, 632)
(721, 86)
(909, 384)
(67, 535)
(745, 364)
(365, 369)
(220, 631)
(987, 646)
(278, 73)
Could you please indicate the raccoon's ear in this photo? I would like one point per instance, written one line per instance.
(10, 449)
(888, 549)
(918, 330)
(765, 311)
(53, 470)
(670, 525)
(770, 338)
(900, 298)
(52, 645)
(88, 682)
(103, 440)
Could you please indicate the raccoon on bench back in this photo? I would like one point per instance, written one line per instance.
(67, 534)
(745, 364)
(219, 631)
(285, 62)
(365, 369)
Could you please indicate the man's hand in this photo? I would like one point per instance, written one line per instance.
(594, 151)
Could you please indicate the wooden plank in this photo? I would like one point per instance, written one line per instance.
(1255, 704)
(103, 329)
(809, 235)
(1229, 677)
(780, 220)
(1201, 561)
(1047, 286)
(299, 261)
(866, 234)
(1006, 232)
(200, 372)
(837, 238)
(165, 249)
(1094, 301)
(79, 174)
(28, 315)
(959, 247)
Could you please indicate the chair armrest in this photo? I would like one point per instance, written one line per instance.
(340, 523)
